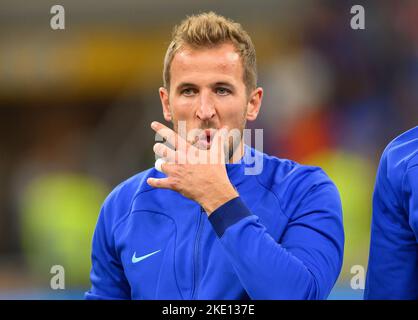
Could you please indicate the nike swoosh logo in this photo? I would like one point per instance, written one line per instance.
(137, 259)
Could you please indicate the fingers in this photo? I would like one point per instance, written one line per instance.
(163, 183)
(165, 152)
(169, 135)
(158, 164)
(186, 153)
(165, 167)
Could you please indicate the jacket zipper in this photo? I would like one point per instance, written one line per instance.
(196, 254)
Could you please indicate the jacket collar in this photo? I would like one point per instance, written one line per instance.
(238, 171)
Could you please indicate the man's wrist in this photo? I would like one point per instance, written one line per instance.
(222, 196)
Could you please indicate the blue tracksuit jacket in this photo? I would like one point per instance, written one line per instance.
(282, 238)
(393, 262)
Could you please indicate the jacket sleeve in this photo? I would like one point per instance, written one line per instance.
(307, 261)
(411, 190)
(392, 271)
(107, 276)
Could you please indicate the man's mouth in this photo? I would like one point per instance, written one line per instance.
(205, 138)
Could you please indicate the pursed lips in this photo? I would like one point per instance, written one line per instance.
(204, 139)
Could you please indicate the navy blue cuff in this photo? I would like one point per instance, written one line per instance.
(228, 214)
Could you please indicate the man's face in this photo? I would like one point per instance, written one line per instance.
(207, 91)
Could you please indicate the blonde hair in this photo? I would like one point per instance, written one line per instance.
(208, 30)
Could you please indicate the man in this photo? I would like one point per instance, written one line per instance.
(393, 262)
(208, 230)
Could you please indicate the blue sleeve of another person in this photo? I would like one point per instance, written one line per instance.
(393, 261)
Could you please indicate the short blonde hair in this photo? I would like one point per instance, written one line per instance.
(208, 30)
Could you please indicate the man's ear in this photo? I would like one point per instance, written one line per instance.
(254, 104)
(164, 97)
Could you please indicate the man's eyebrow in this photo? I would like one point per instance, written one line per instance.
(223, 83)
(184, 85)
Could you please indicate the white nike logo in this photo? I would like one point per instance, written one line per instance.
(137, 259)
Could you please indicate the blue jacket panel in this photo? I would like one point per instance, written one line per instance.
(282, 238)
(393, 261)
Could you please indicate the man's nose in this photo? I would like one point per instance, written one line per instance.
(206, 110)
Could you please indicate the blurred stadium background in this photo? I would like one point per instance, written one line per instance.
(75, 108)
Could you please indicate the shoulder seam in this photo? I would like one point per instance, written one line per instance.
(404, 177)
(274, 193)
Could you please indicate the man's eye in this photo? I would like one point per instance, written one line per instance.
(222, 91)
(188, 92)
